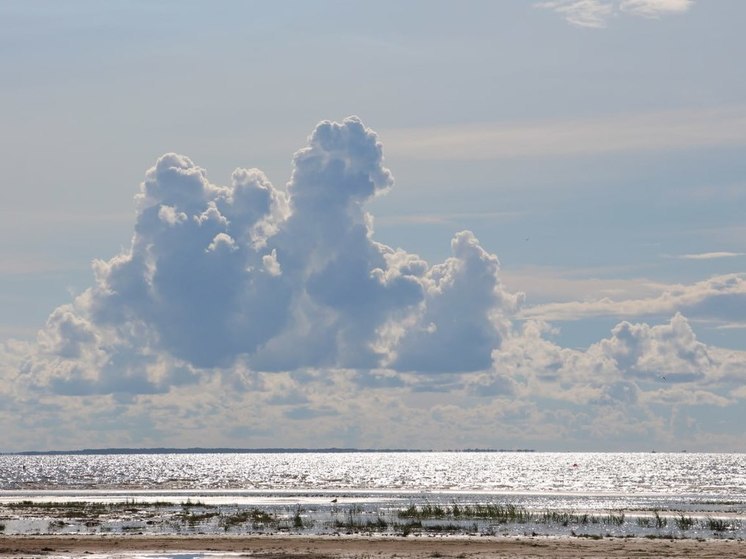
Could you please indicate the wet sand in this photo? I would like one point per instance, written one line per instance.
(280, 547)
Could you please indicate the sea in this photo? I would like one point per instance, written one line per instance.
(559, 494)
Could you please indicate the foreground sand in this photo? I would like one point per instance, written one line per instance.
(279, 547)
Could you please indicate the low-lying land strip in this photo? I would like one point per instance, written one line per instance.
(413, 547)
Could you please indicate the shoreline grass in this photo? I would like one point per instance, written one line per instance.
(129, 516)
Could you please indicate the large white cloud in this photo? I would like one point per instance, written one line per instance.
(244, 311)
(246, 273)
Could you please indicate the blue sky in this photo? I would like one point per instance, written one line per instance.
(547, 252)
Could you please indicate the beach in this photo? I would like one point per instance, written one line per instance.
(381, 547)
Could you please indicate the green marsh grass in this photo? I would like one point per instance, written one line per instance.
(644, 521)
(192, 518)
(258, 519)
(660, 521)
(566, 518)
(589, 536)
(443, 528)
(656, 521)
(614, 518)
(379, 524)
(298, 519)
(683, 522)
(717, 524)
(353, 522)
(499, 513)
(408, 527)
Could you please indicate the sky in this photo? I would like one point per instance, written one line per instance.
(419, 224)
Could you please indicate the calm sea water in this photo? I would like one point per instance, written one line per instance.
(721, 475)
(701, 485)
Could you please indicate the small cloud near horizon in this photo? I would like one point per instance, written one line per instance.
(710, 255)
(596, 14)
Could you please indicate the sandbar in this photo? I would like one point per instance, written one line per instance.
(332, 547)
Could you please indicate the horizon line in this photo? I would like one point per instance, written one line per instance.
(231, 450)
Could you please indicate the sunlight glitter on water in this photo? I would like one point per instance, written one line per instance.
(721, 474)
(700, 485)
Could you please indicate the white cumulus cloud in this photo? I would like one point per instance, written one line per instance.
(247, 274)
(245, 310)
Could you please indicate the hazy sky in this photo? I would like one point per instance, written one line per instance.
(505, 224)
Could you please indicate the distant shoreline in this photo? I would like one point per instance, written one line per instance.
(202, 450)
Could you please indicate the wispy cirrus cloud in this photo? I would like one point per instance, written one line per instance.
(449, 217)
(710, 255)
(655, 8)
(597, 13)
(640, 132)
(583, 13)
(720, 297)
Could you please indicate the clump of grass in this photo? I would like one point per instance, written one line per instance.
(56, 524)
(499, 513)
(82, 509)
(54, 505)
(378, 524)
(67, 509)
(489, 511)
(297, 520)
(78, 514)
(193, 518)
(683, 522)
(447, 528)
(190, 504)
(408, 527)
(353, 522)
(234, 519)
(2, 527)
(717, 524)
(135, 504)
(565, 518)
(410, 512)
(258, 518)
(589, 536)
(427, 511)
(614, 519)
(656, 521)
